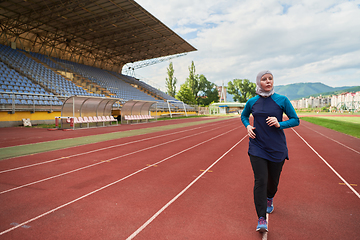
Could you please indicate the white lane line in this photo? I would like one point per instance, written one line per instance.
(104, 161)
(113, 183)
(332, 169)
(179, 194)
(334, 140)
(97, 150)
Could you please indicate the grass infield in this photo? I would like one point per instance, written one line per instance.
(347, 125)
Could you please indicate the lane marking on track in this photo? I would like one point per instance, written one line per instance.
(85, 136)
(151, 165)
(334, 140)
(351, 184)
(180, 193)
(104, 161)
(101, 149)
(332, 169)
(113, 183)
(205, 170)
(15, 224)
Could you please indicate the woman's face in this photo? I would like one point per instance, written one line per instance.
(267, 82)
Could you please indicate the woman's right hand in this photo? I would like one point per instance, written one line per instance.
(250, 131)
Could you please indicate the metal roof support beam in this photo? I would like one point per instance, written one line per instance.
(47, 25)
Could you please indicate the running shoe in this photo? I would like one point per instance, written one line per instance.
(270, 205)
(262, 225)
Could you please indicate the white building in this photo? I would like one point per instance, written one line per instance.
(343, 101)
(346, 101)
(312, 102)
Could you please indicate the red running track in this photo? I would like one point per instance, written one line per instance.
(14, 136)
(151, 187)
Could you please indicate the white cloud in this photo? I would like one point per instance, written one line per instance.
(300, 41)
(185, 30)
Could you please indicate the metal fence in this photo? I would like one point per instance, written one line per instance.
(12, 101)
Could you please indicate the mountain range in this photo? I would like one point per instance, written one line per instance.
(304, 90)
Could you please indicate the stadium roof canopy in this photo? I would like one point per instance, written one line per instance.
(101, 33)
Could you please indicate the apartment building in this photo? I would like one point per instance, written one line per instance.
(344, 101)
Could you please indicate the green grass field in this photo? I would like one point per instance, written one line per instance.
(347, 125)
(355, 120)
(328, 113)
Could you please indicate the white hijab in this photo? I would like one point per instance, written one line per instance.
(259, 89)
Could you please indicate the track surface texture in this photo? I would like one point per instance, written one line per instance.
(190, 182)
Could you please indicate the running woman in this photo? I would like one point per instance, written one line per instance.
(267, 142)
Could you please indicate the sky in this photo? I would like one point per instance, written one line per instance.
(297, 40)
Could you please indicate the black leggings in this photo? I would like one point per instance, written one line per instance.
(267, 175)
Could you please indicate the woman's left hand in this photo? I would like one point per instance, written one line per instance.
(272, 121)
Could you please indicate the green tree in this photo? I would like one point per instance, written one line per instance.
(193, 80)
(185, 95)
(197, 89)
(242, 89)
(171, 81)
(208, 92)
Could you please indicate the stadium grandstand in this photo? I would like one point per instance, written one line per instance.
(52, 50)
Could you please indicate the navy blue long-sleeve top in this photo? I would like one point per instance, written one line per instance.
(270, 142)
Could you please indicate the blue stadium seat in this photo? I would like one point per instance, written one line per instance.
(119, 85)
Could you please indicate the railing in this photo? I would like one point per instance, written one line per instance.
(34, 106)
